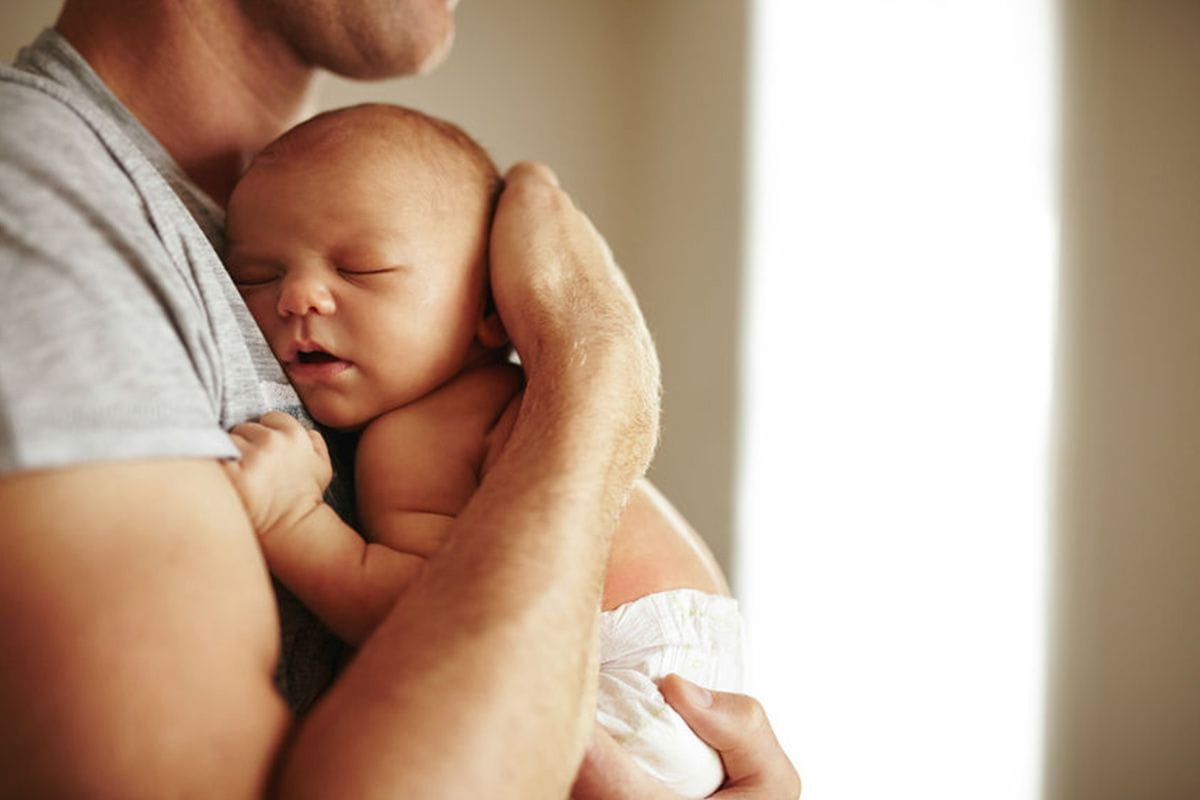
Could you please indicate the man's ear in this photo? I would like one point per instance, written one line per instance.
(490, 330)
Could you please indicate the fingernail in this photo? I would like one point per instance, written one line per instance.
(696, 696)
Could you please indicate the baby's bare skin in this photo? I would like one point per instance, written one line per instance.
(451, 437)
(417, 467)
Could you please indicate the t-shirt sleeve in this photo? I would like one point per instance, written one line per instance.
(104, 351)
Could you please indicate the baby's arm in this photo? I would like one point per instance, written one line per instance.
(281, 477)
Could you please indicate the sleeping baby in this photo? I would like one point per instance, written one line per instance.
(359, 242)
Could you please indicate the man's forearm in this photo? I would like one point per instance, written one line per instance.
(479, 682)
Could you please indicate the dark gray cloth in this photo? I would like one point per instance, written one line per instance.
(121, 336)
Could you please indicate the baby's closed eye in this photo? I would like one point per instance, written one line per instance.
(358, 272)
(252, 273)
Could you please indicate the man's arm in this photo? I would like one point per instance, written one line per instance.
(138, 636)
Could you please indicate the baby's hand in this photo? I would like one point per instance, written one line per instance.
(283, 471)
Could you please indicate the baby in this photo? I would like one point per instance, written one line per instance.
(359, 242)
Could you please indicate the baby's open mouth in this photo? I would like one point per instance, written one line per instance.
(315, 357)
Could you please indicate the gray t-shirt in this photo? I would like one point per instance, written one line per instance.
(121, 336)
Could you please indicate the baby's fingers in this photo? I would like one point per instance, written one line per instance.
(319, 446)
(249, 434)
(274, 427)
(279, 421)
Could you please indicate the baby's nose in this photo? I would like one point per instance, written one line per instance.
(300, 296)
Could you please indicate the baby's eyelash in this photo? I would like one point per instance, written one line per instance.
(253, 282)
(383, 271)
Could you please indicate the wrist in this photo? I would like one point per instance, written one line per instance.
(293, 518)
(598, 396)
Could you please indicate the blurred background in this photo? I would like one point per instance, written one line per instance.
(924, 278)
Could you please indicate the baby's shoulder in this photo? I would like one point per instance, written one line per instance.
(493, 384)
(444, 434)
(467, 406)
(478, 395)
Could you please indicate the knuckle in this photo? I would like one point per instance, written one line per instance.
(751, 712)
(276, 419)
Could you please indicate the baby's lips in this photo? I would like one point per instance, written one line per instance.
(315, 357)
(295, 348)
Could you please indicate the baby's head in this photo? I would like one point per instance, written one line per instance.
(359, 242)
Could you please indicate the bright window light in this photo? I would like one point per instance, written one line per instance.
(899, 307)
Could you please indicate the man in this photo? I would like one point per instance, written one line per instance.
(139, 633)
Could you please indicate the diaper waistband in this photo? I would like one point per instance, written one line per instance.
(676, 617)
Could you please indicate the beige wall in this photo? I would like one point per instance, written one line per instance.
(20, 21)
(1125, 681)
(638, 105)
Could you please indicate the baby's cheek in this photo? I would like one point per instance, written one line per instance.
(262, 307)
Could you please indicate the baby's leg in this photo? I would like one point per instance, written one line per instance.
(654, 549)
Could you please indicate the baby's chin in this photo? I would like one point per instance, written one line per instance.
(342, 424)
(353, 427)
(336, 418)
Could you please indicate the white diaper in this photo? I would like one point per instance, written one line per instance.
(694, 634)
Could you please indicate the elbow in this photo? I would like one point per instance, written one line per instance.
(144, 749)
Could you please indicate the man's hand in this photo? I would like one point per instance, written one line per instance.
(554, 279)
(568, 308)
(282, 473)
(735, 725)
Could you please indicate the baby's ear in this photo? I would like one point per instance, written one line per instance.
(490, 330)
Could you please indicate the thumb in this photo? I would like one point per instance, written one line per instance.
(736, 726)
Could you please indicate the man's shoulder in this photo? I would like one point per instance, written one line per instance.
(115, 348)
(40, 117)
(53, 154)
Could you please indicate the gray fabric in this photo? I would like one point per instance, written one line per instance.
(121, 336)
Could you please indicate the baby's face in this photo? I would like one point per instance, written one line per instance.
(366, 278)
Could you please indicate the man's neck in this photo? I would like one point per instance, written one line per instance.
(207, 84)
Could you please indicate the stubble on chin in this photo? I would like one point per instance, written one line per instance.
(363, 40)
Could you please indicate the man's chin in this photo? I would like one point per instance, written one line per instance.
(437, 55)
(385, 51)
